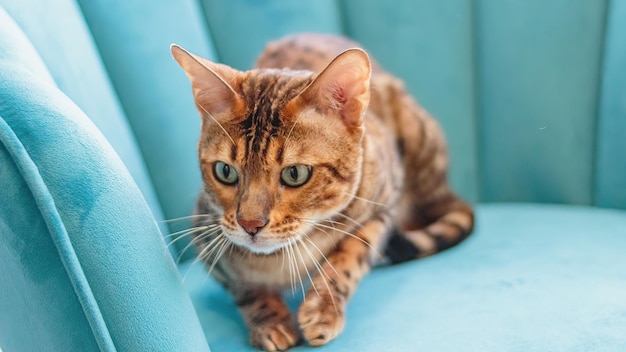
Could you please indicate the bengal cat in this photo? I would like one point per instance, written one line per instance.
(316, 165)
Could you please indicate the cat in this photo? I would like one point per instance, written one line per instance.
(316, 164)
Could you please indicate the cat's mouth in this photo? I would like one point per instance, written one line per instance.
(274, 237)
(263, 242)
(267, 241)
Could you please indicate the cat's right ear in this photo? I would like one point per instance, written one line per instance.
(212, 91)
(341, 90)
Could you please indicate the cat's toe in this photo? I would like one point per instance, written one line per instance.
(279, 337)
(320, 322)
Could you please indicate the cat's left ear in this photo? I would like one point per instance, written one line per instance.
(212, 84)
(342, 89)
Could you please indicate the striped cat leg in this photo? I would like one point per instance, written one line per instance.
(271, 324)
(321, 315)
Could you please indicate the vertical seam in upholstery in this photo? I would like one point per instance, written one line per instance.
(477, 113)
(212, 43)
(598, 106)
(343, 23)
(123, 109)
(60, 237)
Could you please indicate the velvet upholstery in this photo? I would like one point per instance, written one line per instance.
(72, 59)
(70, 216)
(97, 151)
(562, 292)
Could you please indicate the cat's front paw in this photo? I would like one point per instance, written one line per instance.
(274, 337)
(320, 319)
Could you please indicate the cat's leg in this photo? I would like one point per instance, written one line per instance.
(271, 324)
(321, 316)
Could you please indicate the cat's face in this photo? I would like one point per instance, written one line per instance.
(279, 151)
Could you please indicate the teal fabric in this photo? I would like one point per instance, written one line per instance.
(134, 39)
(44, 301)
(531, 97)
(70, 54)
(78, 238)
(610, 177)
(538, 87)
(17, 49)
(531, 278)
(437, 66)
(241, 28)
(23, 250)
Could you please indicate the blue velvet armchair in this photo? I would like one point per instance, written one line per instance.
(97, 166)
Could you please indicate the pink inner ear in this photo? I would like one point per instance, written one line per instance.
(340, 101)
(341, 89)
(339, 96)
(336, 97)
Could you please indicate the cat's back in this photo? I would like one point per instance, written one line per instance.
(314, 51)
(305, 51)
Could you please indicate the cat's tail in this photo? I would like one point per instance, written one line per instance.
(453, 222)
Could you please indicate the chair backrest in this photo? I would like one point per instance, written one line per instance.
(530, 93)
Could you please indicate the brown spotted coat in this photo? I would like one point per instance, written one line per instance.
(377, 187)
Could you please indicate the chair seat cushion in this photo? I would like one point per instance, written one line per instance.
(531, 278)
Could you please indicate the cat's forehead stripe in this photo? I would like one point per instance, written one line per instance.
(233, 151)
(265, 95)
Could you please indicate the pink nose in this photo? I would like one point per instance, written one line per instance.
(252, 226)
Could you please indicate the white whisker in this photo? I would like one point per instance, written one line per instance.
(225, 244)
(322, 254)
(291, 129)
(282, 263)
(217, 241)
(194, 262)
(182, 218)
(306, 270)
(292, 270)
(354, 196)
(356, 223)
(218, 123)
(318, 225)
(193, 241)
(321, 270)
(297, 267)
(182, 253)
(185, 232)
(230, 252)
(211, 248)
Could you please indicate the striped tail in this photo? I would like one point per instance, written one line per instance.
(453, 226)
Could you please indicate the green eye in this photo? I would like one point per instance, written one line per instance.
(295, 175)
(225, 173)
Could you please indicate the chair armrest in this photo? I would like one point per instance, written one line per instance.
(82, 261)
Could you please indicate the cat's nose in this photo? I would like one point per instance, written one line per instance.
(252, 226)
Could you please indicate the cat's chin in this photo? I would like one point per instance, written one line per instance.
(259, 245)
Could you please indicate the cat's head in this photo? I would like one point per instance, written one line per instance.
(279, 150)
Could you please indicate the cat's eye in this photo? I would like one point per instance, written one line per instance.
(225, 173)
(295, 175)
